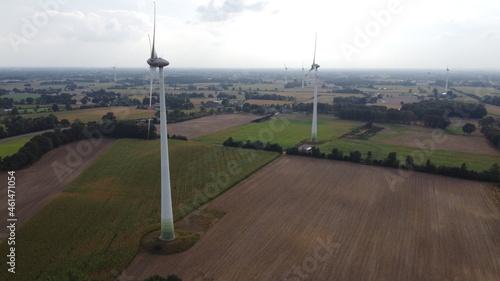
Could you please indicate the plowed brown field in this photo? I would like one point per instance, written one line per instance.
(311, 219)
(208, 125)
(37, 184)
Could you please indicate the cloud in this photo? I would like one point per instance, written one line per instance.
(102, 26)
(217, 12)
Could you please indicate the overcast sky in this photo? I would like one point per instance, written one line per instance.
(425, 34)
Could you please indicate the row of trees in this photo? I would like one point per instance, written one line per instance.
(446, 108)
(429, 113)
(492, 174)
(494, 100)
(253, 145)
(258, 96)
(41, 144)
(17, 125)
(491, 130)
(355, 100)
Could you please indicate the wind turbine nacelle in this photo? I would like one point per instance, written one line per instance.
(158, 62)
(314, 66)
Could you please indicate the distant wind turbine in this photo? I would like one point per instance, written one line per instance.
(314, 66)
(447, 77)
(167, 218)
(286, 76)
(114, 70)
(302, 74)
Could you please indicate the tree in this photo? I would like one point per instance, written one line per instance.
(110, 116)
(469, 128)
(55, 107)
(30, 100)
(14, 111)
(391, 160)
(355, 156)
(65, 123)
(487, 122)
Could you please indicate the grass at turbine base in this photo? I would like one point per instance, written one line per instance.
(310, 142)
(188, 231)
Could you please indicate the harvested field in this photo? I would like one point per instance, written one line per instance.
(208, 125)
(333, 220)
(37, 184)
(416, 136)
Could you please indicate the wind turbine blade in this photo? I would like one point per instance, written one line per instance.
(153, 52)
(305, 76)
(315, 41)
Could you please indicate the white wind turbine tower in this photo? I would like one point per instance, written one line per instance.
(447, 77)
(114, 70)
(302, 74)
(286, 76)
(167, 218)
(314, 66)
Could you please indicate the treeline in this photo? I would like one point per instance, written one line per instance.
(44, 91)
(295, 83)
(446, 108)
(6, 103)
(258, 96)
(491, 130)
(392, 161)
(491, 100)
(429, 113)
(355, 100)
(253, 145)
(347, 91)
(41, 144)
(100, 96)
(63, 98)
(18, 125)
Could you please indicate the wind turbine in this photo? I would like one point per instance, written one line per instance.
(167, 218)
(447, 76)
(314, 66)
(114, 70)
(286, 71)
(302, 74)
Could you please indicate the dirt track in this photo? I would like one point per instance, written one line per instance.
(196, 128)
(310, 219)
(37, 184)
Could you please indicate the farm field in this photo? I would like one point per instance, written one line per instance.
(287, 129)
(95, 114)
(441, 147)
(10, 147)
(479, 91)
(37, 184)
(422, 144)
(198, 127)
(94, 225)
(477, 162)
(493, 110)
(413, 135)
(330, 220)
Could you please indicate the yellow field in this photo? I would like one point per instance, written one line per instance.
(95, 114)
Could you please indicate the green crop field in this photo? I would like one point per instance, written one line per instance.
(96, 223)
(290, 130)
(11, 147)
(95, 114)
(474, 161)
(18, 97)
(287, 130)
